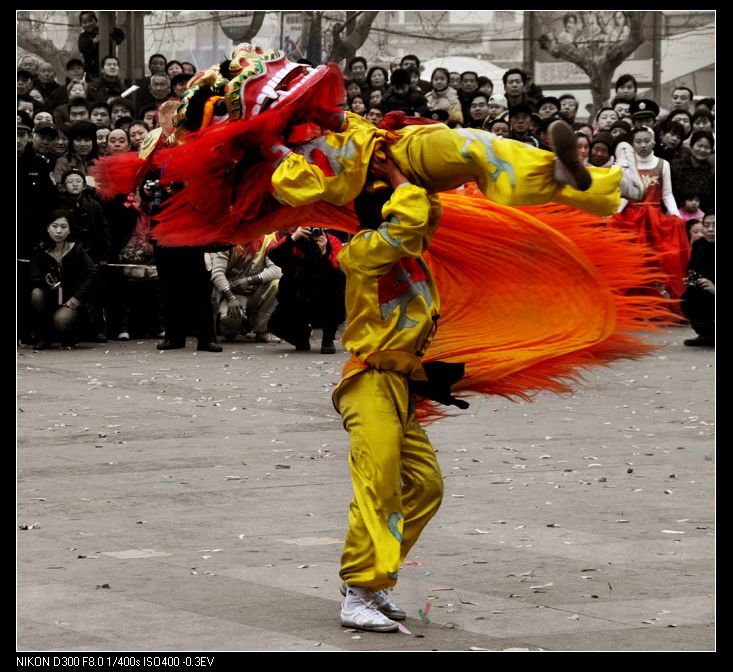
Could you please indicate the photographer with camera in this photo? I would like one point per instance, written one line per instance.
(63, 277)
(698, 301)
(311, 290)
(185, 283)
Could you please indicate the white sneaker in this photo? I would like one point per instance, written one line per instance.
(632, 188)
(383, 602)
(267, 337)
(123, 336)
(359, 610)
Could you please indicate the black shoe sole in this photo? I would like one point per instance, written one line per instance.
(565, 144)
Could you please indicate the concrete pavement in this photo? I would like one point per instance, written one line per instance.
(183, 501)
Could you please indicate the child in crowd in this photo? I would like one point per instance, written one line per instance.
(691, 208)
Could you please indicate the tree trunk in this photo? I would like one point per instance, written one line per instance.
(254, 27)
(357, 30)
(315, 38)
(241, 32)
(29, 39)
(599, 55)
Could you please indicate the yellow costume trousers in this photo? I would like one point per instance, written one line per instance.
(507, 172)
(398, 486)
(438, 159)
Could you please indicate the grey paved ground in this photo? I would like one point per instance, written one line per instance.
(185, 501)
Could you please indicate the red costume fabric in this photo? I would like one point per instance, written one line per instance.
(662, 232)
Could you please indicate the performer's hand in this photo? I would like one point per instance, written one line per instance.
(383, 166)
(73, 303)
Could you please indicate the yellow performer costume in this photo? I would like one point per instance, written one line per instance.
(333, 167)
(393, 305)
(556, 300)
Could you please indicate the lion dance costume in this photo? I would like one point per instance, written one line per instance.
(533, 290)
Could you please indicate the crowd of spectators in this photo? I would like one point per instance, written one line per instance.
(65, 123)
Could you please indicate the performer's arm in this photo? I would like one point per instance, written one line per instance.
(333, 169)
(298, 182)
(406, 222)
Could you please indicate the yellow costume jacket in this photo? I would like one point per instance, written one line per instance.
(391, 298)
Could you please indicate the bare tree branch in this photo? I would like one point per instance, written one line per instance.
(244, 33)
(346, 47)
(598, 54)
(29, 38)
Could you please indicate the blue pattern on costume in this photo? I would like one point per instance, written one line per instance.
(393, 524)
(384, 231)
(486, 139)
(401, 277)
(332, 154)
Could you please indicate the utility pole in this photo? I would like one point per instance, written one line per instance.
(106, 22)
(529, 41)
(657, 56)
(315, 38)
(131, 52)
(215, 37)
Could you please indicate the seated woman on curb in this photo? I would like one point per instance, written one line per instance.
(63, 278)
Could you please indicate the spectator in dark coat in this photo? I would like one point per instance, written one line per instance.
(46, 83)
(357, 71)
(692, 172)
(108, 85)
(311, 289)
(478, 110)
(698, 301)
(515, 88)
(36, 197)
(411, 61)
(469, 86)
(88, 42)
(401, 96)
(89, 227)
(62, 281)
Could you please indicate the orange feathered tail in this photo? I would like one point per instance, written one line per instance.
(532, 297)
